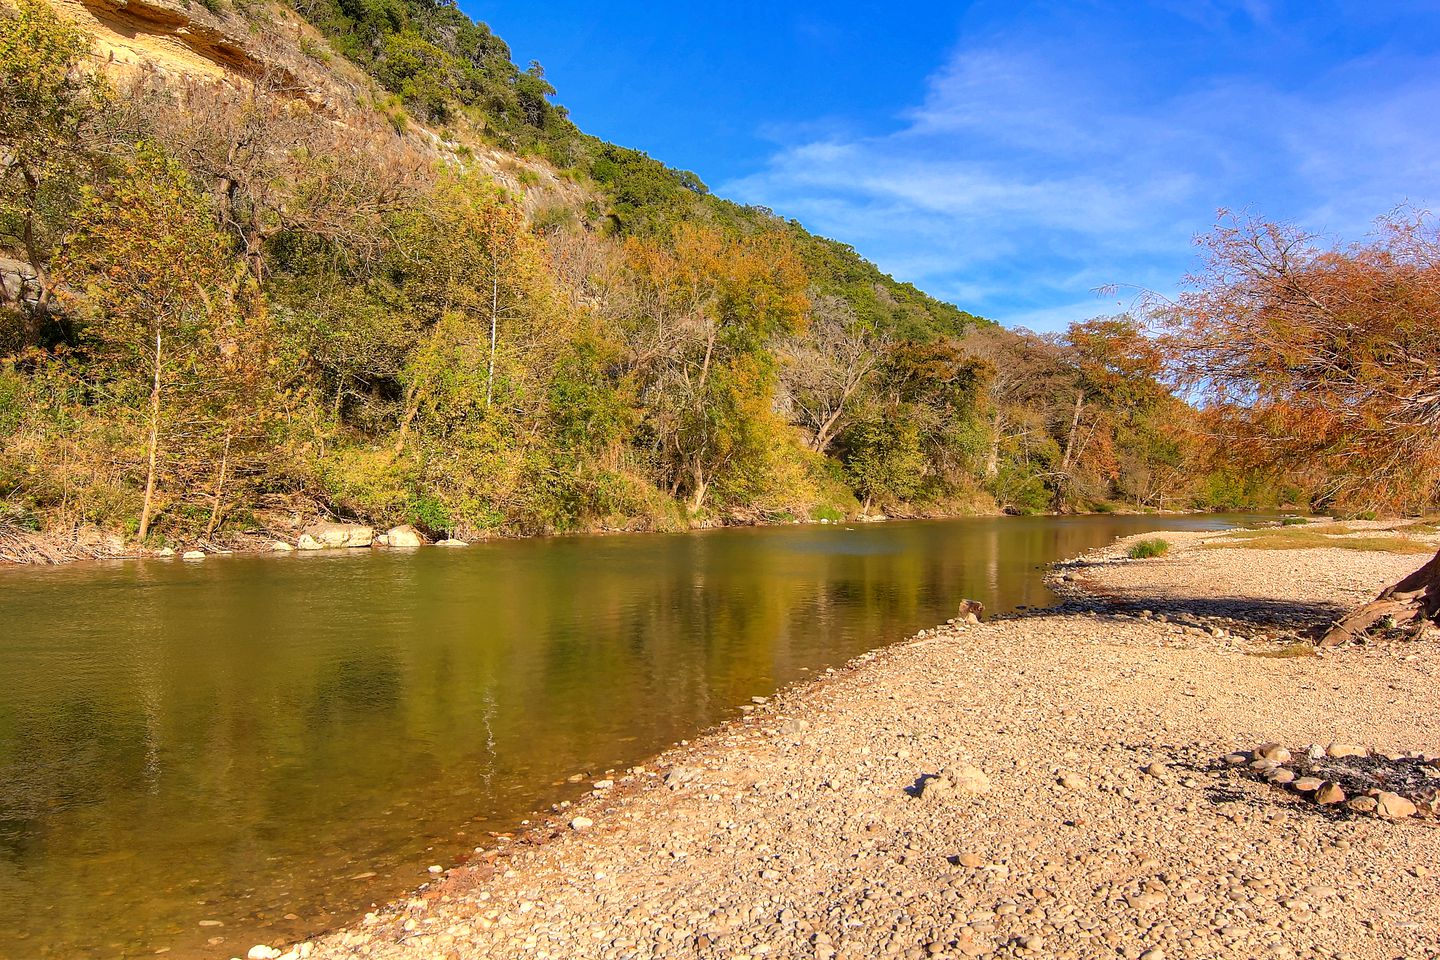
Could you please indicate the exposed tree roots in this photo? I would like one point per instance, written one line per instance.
(1410, 605)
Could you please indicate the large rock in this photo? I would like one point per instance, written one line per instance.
(307, 542)
(403, 536)
(1392, 806)
(335, 535)
(962, 779)
(1346, 750)
(968, 779)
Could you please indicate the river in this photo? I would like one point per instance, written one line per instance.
(197, 757)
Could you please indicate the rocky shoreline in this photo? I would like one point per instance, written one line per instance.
(1086, 781)
(22, 547)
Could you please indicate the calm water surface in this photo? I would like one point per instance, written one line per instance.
(269, 744)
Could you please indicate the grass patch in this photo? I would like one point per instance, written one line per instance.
(1145, 549)
(1317, 536)
(1294, 522)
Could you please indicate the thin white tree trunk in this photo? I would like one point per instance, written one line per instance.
(154, 446)
(494, 329)
(701, 486)
(1069, 457)
(219, 489)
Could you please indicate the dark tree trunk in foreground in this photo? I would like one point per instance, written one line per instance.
(1414, 600)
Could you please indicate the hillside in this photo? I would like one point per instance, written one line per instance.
(261, 267)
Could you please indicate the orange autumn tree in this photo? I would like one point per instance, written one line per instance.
(1327, 359)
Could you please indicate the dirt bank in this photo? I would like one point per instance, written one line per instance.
(1108, 824)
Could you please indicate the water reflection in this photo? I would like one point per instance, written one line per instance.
(250, 738)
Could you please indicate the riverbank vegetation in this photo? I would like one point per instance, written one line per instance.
(231, 307)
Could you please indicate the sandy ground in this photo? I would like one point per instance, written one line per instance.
(821, 825)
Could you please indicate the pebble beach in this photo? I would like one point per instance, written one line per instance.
(1095, 780)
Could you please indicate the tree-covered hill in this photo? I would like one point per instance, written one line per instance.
(246, 283)
(450, 71)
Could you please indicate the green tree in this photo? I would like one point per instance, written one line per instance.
(710, 307)
(885, 462)
(159, 288)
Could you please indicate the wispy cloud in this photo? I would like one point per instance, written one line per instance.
(1033, 172)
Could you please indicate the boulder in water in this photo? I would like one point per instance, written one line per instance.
(403, 536)
(333, 535)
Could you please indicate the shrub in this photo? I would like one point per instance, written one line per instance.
(1145, 549)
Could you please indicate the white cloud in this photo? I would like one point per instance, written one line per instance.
(1022, 181)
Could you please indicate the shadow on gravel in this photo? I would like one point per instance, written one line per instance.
(917, 788)
(1208, 611)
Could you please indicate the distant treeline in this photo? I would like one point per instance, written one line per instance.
(223, 308)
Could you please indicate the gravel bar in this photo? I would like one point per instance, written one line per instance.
(1047, 785)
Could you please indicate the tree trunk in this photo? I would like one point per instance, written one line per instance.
(698, 472)
(32, 247)
(1413, 601)
(1074, 430)
(412, 408)
(823, 436)
(992, 459)
(1065, 462)
(219, 489)
(494, 329)
(144, 530)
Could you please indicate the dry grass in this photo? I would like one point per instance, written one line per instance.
(1336, 536)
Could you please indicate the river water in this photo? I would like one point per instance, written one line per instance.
(197, 757)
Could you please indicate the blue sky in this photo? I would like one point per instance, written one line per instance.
(1013, 157)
